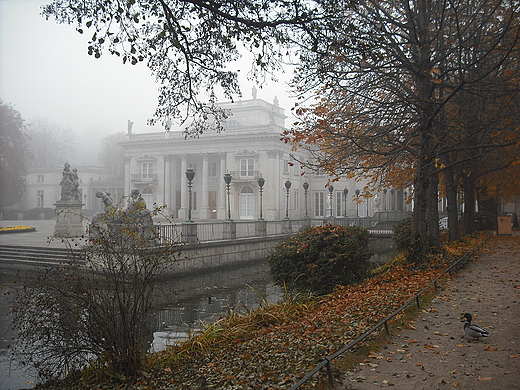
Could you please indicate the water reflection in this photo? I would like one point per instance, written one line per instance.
(206, 297)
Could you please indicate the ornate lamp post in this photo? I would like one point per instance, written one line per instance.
(261, 182)
(357, 202)
(227, 179)
(287, 187)
(331, 190)
(368, 199)
(190, 174)
(306, 189)
(345, 194)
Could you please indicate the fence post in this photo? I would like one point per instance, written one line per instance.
(329, 372)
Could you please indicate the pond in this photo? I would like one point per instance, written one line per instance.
(181, 302)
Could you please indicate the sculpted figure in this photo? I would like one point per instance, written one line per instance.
(106, 198)
(67, 184)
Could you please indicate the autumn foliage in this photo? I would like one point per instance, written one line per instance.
(273, 346)
(321, 257)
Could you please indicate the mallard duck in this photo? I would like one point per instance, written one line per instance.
(473, 330)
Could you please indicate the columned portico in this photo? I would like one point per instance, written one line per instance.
(205, 212)
(250, 147)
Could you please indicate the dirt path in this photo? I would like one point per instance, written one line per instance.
(434, 352)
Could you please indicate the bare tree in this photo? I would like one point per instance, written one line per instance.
(49, 143)
(112, 154)
(13, 155)
(92, 310)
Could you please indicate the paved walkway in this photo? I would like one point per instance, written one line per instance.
(44, 229)
(434, 352)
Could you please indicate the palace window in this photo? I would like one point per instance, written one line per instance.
(319, 203)
(340, 204)
(40, 178)
(247, 167)
(212, 169)
(296, 199)
(246, 203)
(147, 195)
(40, 198)
(147, 170)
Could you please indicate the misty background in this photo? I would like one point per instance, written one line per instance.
(46, 74)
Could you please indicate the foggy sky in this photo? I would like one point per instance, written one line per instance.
(45, 72)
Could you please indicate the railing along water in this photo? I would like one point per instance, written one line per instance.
(216, 231)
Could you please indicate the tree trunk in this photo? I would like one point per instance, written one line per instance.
(419, 246)
(469, 205)
(451, 198)
(433, 212)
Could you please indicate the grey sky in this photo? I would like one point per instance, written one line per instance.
(45, 72)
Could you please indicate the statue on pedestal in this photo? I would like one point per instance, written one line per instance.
(68, 207)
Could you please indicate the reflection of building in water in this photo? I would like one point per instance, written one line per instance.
(249, 148)
(172, 323)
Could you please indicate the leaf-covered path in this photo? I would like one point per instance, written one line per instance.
(434, 353)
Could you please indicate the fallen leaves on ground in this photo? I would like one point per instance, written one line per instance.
(274, 347)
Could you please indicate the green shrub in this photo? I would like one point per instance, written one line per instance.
(319, 258)
(403, 234)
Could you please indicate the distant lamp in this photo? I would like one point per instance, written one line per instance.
(261, 182)
(306, 189)
(190, 174)
(331, 190)
(345, 197)
(287, 187)
(357, 202)
(227, 179)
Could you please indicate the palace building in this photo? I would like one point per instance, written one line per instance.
(248, 149)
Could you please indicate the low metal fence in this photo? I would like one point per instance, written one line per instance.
(326, 362)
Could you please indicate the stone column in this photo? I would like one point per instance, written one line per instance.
(183, 211)
(168, 183)
(222, 197)
(205, 212)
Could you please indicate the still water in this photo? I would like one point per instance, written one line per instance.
(181, 302)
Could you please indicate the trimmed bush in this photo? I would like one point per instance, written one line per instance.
(319, 258)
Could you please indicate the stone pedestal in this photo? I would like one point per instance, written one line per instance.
(69, 220)
(306, 223)
(230, 230)
(286, 226)
(329, 221)
(261, 228)
(189, 232)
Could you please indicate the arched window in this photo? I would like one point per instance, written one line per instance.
(147, 195)
(247, 198)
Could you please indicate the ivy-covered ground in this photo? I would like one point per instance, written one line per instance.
(274, 346)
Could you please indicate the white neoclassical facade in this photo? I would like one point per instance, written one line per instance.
(249, 148)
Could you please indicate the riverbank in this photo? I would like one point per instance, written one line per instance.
(274, 346)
